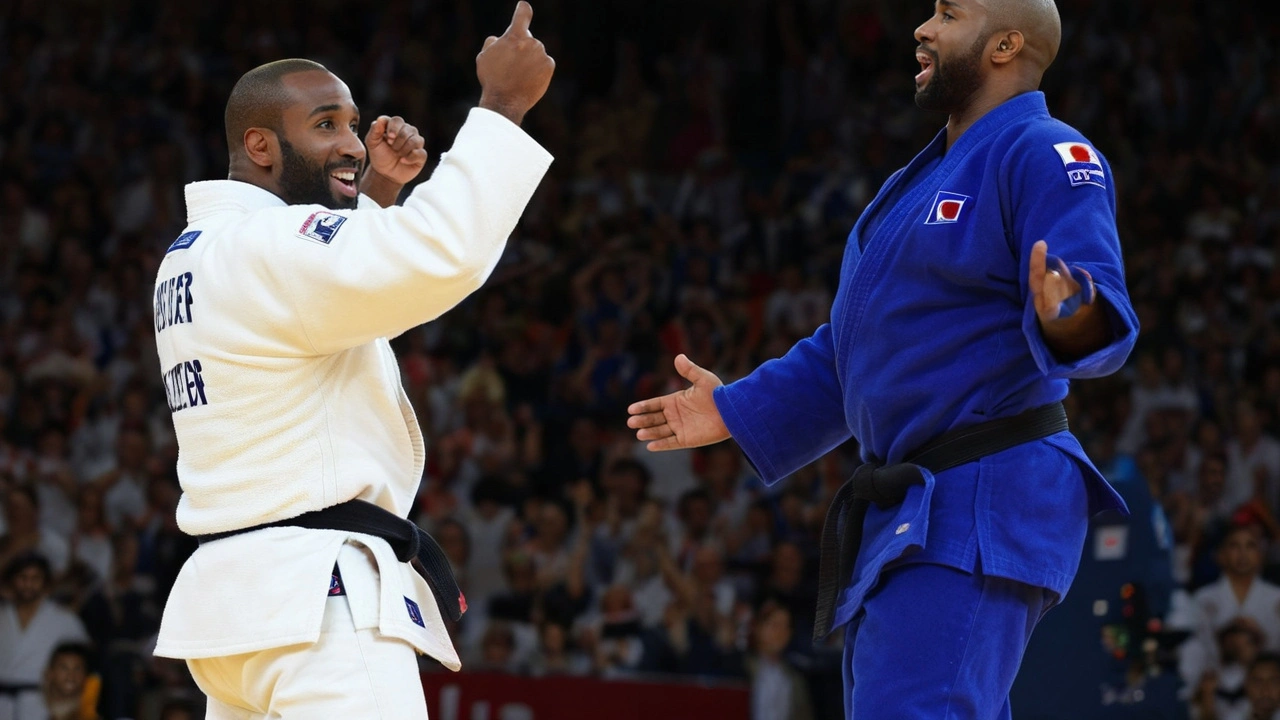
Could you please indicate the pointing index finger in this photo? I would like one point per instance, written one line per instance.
(523, 15)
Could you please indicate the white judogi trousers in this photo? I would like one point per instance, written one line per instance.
(352, 671)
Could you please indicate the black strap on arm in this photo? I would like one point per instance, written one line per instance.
(886, 486)
(409, 542)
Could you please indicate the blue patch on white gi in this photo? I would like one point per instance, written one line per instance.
(321, 226)
(184, 241)
(947, 208)
(1084, 167)
(414, 613)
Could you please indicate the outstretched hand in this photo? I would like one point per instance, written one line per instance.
(683, 419)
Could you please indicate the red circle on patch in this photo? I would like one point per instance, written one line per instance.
(1080, 153)
(950, 209)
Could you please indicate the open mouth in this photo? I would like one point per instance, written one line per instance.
(926, 65)
(344, 182)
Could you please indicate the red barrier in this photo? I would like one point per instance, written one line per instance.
(482, 696)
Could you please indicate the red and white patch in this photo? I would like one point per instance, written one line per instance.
(321, 227)
(1083, 165)
(948, 207)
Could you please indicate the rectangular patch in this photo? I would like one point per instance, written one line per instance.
(1111, 542)
(335, 583)
(321, 227)
(1084, 167)
(184, 241)
(947, 208)
(414, 613)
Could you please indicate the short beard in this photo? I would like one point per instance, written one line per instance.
(305, 183)
(949, 90)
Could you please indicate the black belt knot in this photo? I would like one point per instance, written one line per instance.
(409, 542)
(887, 485)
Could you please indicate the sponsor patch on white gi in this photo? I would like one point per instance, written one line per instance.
(947, 208)
(321, 227)
(415, 614)
(184, 241)
(1084, 167)
(1111, 542)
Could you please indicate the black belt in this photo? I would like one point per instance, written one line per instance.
(407, 540)
(887, 485)
(14, 689)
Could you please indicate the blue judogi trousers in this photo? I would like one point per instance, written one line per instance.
(939, 643)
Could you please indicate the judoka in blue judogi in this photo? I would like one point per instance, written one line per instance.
(951, 314)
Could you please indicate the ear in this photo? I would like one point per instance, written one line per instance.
(261, 147)
(1007, 46)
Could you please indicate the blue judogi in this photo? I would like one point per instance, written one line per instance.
(934, 328)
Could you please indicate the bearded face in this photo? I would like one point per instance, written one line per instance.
(304, 182)
(948, 80)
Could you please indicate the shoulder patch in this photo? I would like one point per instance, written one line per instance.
(184, 241)
(1084, 167)
(321, 227)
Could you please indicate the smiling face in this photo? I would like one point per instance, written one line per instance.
(952, 46)
(322, 157)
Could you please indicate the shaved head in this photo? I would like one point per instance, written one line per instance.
(292, 130)
(1037, 20)
(259, 98)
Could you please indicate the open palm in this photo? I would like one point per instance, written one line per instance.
(683, 419)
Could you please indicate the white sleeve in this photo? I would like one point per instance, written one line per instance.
(355, 275)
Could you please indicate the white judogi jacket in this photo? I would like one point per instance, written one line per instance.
(1216, 607)
(271, 324)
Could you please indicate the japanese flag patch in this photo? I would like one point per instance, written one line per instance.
(1084, 167)
(946, 208)
(321, 227)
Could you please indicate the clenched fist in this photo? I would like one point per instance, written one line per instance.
(395, 149)
(514, 70)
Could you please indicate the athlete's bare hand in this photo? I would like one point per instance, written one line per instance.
(1071, 312)
(1051, 286)
(684, 419)
(395, 148)
(514, 70)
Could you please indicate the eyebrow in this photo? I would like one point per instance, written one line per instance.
(334, 107)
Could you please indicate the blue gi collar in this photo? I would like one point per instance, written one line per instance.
(1016, 107)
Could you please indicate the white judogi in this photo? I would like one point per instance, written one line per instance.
(25, 652)
(1215, 607)
(271, 328)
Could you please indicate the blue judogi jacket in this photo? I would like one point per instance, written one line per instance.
(934, 328)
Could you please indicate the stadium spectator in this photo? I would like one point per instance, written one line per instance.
(70, 689)
(31, 627)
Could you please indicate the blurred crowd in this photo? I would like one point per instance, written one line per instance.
(711, 158)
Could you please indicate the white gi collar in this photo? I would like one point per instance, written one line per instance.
(210, 197)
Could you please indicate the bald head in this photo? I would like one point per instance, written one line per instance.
(259, 99)
(1037, 20)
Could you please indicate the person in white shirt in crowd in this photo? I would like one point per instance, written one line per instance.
(1253, 458)
(24, 533)
(1221, 694)
(1240, 592)
(272, 314)
(125, 485)
(31, 627)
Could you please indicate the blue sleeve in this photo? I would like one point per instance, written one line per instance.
(790, 411)
(1076, 216)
